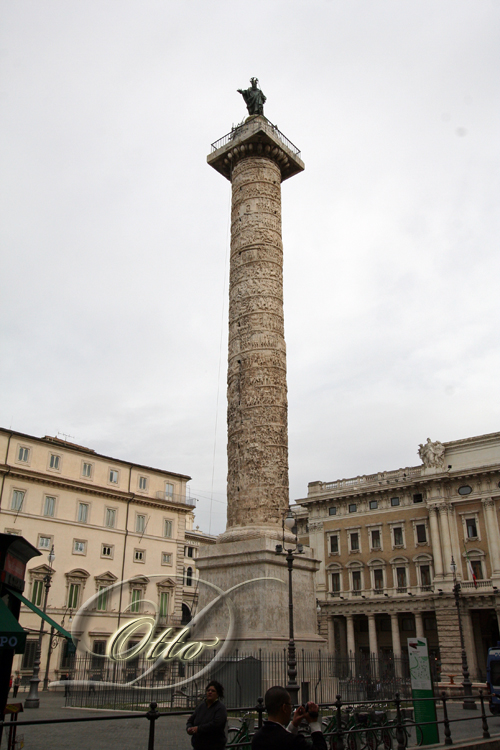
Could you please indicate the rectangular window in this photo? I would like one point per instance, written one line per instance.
(164, 597)
(113, 476)
(373, 504)
(398, 536)
(332, 511)
(29, 655)
(166, 558)
(401, 577)
(477, 568)
(356, 580)
(44, 542)
(471, 528)
(167, 528)
(143, 483)
(110, 518)
(139, 555)
(83, 512)
(136, 598)
(334, 544)
(87, 470)
(79, 547)
(418, 497)
(394, 501)
(336, 582)
(352, 508)
(378, 579)
(376, 539)
(23, 454)
(421, 533)
(188, 551)
(49, 506)
(169, 490)
(36, 593)
(73, 595)
(102, 599)
(54, 462)
(407, 624)
(17, 500)
(355, 542)
(140, 524)
(107, 550)
(425, 576)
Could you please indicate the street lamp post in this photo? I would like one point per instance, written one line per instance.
(292, 686)
(33, 701)
(469, 702)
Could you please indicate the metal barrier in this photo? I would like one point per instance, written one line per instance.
(344, 728)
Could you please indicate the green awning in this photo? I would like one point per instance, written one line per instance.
(11, 633)
(41, 614)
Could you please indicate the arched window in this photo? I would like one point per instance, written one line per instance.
(186, 615)
(189, 577)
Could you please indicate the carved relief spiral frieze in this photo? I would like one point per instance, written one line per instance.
(257, 394)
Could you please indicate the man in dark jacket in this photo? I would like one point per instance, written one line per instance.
(208, 722)
(274, 736)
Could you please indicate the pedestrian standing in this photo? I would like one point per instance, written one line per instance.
(280, 731)
(17, 682)
(207, 723)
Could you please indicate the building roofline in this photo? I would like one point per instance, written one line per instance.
(48, 440)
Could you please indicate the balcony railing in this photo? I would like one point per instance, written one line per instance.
(484, 584)
(383, 477)
(241, 130)
(175, 498)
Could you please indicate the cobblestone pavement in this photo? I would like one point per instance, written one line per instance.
(132, 734)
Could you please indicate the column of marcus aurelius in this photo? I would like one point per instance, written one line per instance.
(256, 158)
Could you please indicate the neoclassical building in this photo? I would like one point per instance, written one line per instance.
(388, 543)
(106, 520)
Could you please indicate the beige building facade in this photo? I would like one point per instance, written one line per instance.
(387, 544)
(106, 520)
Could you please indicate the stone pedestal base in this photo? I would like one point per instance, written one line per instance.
(260, 606)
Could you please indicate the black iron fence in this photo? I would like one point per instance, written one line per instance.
(100, 683)
(346, 725)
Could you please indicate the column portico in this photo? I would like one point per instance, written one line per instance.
(351, 641)
(493, 533)
(331, 634)
(435, 541)
(419, 625)
(445, 537)
(396, 643)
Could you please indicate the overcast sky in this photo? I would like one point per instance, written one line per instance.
(115, 232)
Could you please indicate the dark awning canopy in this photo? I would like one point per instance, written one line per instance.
(41, 614)
(11, 633)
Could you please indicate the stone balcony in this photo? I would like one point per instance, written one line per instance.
(364, 481)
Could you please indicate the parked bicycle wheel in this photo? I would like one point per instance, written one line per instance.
(420, 734)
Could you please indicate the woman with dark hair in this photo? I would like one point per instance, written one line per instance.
(207, 723)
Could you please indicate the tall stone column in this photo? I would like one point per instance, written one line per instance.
(351, 641)
(419, 625)
(435, 541)
(396, 643)
(445, 538)
(491, 523)
(331, 634)
(255, 157)
(372, 636)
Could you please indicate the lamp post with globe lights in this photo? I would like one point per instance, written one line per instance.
(469, 702)
(292, 687)
(33, 700)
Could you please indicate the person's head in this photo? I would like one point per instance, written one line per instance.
(213, 691)
(278, 704)
(254, 82)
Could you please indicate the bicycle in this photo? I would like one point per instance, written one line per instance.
(240, 736)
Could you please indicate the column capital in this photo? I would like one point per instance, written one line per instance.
(488, 502)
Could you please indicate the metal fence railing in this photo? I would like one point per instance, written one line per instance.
(96, 682)
(347, 725)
